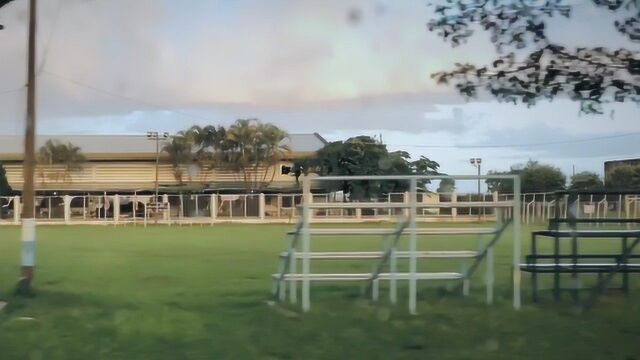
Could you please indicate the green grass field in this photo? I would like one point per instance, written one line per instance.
(204, 293)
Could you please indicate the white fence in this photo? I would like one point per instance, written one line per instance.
(213, 208)
(539, 207)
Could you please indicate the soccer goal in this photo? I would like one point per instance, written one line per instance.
(389, 261)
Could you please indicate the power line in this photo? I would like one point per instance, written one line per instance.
(128, 98)
(3, 92)
(499, 146)
(47, 46)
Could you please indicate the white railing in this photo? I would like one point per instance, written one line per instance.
(212, 208)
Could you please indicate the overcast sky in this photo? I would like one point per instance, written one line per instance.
(122, 66)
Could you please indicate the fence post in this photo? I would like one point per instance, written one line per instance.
(213, 207)
(454, 210)
(116, 208)
(66, 200)
(16, 209)
(405, 200)
(494, 197)
(261, 205)
(167, 212)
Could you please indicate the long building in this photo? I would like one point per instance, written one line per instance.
(127, 163)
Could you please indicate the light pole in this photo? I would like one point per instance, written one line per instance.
(156, 136)
(476, 162)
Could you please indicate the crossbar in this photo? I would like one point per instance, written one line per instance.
(363, 255)
(410, 177)
(367, 276)
(387, 205)
(588, 233)
(595, 221)
(389, 231)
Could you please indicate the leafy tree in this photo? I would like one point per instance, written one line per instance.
(624, 178)
(5, 188)
(179, 148)
(530, 66)
(210, 143)
(254, 148)
(53, 152)
(249, 147)
(447, 186)
(363, 155)
(534, 177)
(586, 180)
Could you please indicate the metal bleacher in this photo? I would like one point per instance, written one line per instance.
(386, 260)
(575, 262)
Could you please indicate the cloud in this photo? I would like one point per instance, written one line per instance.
(455, 124)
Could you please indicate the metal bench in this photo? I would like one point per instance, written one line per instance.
(575, 263)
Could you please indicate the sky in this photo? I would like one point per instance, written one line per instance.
(337, 67)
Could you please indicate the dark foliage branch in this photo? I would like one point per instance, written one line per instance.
(3, 3)
(591, 76)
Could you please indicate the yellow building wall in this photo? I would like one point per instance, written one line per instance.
(105, 176)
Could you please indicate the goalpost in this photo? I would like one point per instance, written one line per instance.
(300, 245)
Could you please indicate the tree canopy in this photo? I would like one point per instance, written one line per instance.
(363, 155)
(586, 180)
(54, 152)
(249, 147)
(534, 177)
(624, 178)
(179, 149)
(447, 186)
(530, 66)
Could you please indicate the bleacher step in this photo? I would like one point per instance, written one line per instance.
(361, 255)
(367, 276)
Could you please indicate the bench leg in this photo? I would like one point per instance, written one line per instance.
(393, 288)
(625, 274)
(283, 289)
(293, 287)
(534, 274)
(490, 276)
(375, 290)
(556, 274)
(575, 284)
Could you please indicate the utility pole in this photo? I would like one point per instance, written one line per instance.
(156, 136)
(28, 190)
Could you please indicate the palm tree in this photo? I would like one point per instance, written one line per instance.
(253, 148)
(273, 147)
(239, 145)
(180, 151)
(54, 152)
(209, 142)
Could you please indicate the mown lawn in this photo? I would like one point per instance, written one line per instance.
(204, 293)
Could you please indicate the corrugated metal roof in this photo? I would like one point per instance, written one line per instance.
(12, 145)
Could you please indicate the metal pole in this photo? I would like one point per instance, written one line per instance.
(306, 239)
(413, 263)
(157, 164)
(516, 243)
(28, 191)
(479, 172)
